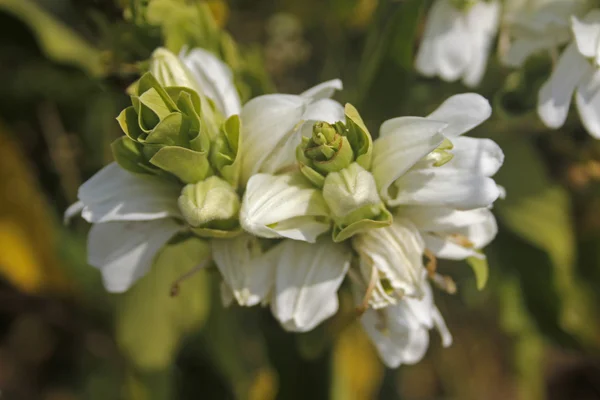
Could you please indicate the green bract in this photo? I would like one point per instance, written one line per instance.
(334, 147)
(337, 159)
(168, 131)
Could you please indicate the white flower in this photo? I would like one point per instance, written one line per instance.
(577, 70)
(536, 25)
(273, 125)
(133, 216)
(400, 332)
(457, 41)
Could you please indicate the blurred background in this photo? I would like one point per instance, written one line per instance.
(532, 333)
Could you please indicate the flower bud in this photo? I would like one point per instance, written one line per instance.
(168, 130)
(169, 70)
(352, 197)
(210, 207)
(332, 148)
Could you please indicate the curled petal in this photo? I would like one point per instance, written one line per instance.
(323, 90)
(214, 78)
(396, 252)
(403, 141)
(461, 113)
(284, 206)
(308, 277)
(587, 33)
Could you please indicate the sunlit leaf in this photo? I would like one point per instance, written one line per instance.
(150, 322)
(57, 40)
(539, 211)
(480, 269)
(27, 257)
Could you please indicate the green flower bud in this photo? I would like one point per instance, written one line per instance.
(331, 148)
(168, 129)
(168, 70)
(351, 195)
(211, 207)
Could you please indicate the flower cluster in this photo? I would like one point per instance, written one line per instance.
(294, 197)
(459, 35)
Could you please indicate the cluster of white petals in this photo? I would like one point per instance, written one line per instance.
(435, 185)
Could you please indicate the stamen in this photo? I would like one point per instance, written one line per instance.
(444, 282)
(431, 264)
(175, 286)
(364, 306)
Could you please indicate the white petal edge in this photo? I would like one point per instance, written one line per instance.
(114, 194)
(267, 121)
(462, 112)
(554, 97)
(403, 141)
(125, 251)
(215, 79)
(323, 90)
(587, 33)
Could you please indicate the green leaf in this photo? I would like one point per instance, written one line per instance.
(224, 153)
(56, 40)
(188, 165)
(539, 211)
(481, 269)
(128, 155)
(359, 136)
(150, 323)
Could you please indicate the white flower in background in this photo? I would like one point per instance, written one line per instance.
(537, 25)
(400, 332)
(457, 40)
(577, 70)
(133, 216)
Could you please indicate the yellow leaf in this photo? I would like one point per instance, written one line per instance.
(28, 257)
(357, 371)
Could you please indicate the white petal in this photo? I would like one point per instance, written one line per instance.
(445, 248)
(114, 194)
(73, 210)
(482, 21)
(555, 95)
(476, 156)
(445, 187)
(323, 90)
(308, 277)
(443, 219)
(325, 110)
(277, 206)
(124, 251)
(587, 33)
(215, 79)
(247, 271)
(587, 99)
(462, 112)
(440, 325)
(267, 122)
(396, 251)
(403, 141)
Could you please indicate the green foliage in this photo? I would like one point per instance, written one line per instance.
(150, 320)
